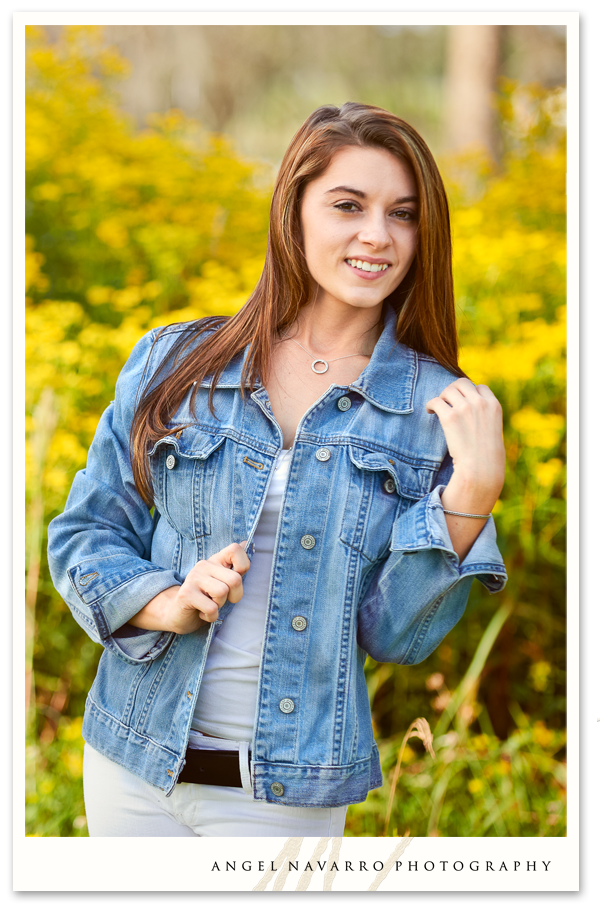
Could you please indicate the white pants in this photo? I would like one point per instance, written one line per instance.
(119, 804)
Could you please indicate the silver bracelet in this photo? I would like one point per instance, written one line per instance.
(467, 514)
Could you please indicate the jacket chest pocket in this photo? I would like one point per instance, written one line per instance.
(379, 490)
(183, 469)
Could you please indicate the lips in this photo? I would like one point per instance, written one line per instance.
(367, 268)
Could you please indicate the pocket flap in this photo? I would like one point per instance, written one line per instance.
(191, 442)
(411, 482)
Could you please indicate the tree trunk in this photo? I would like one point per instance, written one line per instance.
(472, 60)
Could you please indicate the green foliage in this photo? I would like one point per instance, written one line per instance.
(54, 797)
(127, 230)
(476, 787)
(469, 784)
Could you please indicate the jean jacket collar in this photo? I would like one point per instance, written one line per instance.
(387, 381)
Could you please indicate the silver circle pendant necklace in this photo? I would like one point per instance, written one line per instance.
(320, 360)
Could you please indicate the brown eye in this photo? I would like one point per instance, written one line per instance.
(346, 206)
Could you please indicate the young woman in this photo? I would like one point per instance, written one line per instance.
(274, 496)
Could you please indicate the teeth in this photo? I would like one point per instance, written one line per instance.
(367, 266)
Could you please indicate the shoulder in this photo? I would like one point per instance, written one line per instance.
(431, 370)
(197, 331)
(432, 377)
(153, 355)
(427, 363)
(165, 341)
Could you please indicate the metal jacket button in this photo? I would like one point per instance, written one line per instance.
(171, 462)
(299, 623)
(286, 705)
(323, 455)
(277, 789)
(308, 541)
(389, 486)
(344, 403)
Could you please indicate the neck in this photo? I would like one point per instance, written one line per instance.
(329, 331)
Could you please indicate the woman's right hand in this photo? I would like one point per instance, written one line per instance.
(185, 608)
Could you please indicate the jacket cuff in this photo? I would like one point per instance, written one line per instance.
(424, 527)
(114, 588)
(138, 645)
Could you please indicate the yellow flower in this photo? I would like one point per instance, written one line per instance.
(408, 755)
(475, 786)
(467, 218)
(538, 674)
(47, 192)
(480, 743)
(74, 763)
(541, 734)
(127, 298)
(538, 430)
(151, 290)
(72, 730)
(98, 295)
(112, 232)
(34, 279)
(547, 472)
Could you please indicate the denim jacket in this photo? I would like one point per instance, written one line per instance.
(362, 556)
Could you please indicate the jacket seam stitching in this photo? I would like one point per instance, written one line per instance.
(85, 618)
(339, 724)
(129, 728)
(284, 766)
(154, 686)
(420, 633)
(133, 690)
(96, 601)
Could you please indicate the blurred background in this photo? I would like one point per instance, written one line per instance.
(150, 155)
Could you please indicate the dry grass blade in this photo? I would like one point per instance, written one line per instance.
(421, 729)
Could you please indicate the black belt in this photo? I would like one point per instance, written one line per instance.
(207, 766)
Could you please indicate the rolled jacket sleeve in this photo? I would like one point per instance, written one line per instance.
(99, 547)
(421, 590)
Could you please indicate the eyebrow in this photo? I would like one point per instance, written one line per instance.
(361, 195)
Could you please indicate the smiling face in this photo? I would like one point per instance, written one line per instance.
(359, 227)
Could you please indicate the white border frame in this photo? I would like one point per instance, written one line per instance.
(48, 864)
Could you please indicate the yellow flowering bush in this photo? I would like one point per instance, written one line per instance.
(130, 229)
(126, 230)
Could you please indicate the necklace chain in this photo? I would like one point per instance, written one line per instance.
(319, 359)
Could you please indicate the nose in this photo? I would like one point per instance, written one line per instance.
(374, 232)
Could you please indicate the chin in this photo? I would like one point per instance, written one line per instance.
(363, 304)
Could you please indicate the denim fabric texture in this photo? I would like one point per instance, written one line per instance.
(379, 576)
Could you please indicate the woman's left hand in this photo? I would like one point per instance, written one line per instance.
(471, 418)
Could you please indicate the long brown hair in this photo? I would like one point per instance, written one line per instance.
(424, 301)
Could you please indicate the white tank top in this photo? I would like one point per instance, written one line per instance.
(226, 703)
